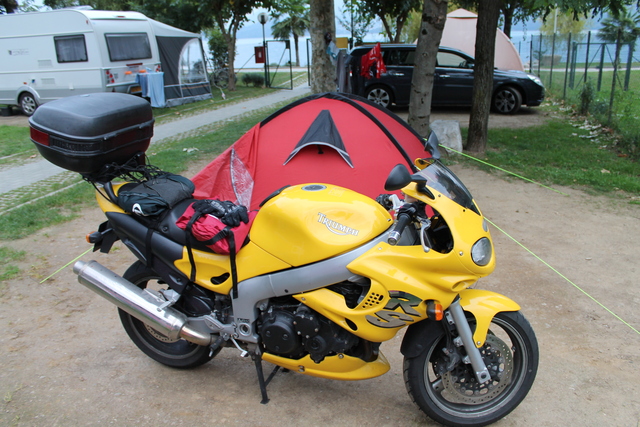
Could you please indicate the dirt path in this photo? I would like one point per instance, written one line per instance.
(67, 361)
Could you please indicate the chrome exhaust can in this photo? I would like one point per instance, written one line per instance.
(140, 303)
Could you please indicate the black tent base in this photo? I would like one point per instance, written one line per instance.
(179, 101)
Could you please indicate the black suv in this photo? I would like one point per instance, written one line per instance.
(453, 80)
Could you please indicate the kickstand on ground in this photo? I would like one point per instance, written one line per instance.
(257, 359)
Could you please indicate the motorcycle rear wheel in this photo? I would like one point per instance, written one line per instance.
(179, 353)
(455, 398)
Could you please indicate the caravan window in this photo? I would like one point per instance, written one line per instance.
(70, 48)
(128, 46)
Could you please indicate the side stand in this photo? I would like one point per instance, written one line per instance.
(257, 359)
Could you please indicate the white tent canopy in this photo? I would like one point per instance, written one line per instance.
(460, 33)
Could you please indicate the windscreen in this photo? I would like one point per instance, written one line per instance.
(441, 179)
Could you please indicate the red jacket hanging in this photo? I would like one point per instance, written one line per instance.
(371, 63)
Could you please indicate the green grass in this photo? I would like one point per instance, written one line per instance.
(7, 255)
(555, 153)
(64, 206)
(624, 117)
(15, 140)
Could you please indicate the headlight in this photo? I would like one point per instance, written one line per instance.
(536, 79)
(481, 252)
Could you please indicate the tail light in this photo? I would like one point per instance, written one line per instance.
(110, 78)
(39, 137)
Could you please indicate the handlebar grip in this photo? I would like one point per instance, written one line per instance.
(394, 236)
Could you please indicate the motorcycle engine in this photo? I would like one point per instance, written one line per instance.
(293, 331)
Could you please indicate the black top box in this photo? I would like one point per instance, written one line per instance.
(83, 133)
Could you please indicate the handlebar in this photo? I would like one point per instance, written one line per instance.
(394, 236)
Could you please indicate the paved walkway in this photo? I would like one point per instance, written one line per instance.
(31, 173)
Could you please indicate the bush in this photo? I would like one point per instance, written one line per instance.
(586, 97)
(255, 79)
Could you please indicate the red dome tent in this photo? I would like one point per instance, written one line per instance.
(327, 138)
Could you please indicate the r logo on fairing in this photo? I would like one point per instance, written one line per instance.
(336, 227)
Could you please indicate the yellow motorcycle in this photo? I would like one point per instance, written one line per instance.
(324, 276)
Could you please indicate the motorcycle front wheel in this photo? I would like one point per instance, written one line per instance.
(454, 397)
(177, 353)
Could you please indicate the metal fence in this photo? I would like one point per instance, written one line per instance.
(565, 62)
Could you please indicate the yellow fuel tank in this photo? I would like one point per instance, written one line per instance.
(311, 222)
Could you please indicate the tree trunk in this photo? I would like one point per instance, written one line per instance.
(323, 72)
(387, 28)
(295, 45)
(230, 37)
(10, 6)
(488, 14)
(399, 24)
(231, 47)
(615, 76)
(434, 14)
(507, 12)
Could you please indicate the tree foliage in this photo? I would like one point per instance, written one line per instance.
(625, 24)
(217, 47)
(197, 15)
(393, 14)
(411, 28)
(95, 4)
(291, 20)
(563, 23)
(358, 20)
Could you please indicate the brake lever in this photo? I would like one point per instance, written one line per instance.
(425, 223)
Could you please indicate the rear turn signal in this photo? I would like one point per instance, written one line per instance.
(94, 237)
(434, 310)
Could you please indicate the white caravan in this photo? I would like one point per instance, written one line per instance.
(50, 55)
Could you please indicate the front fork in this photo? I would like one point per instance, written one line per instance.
(455, 316)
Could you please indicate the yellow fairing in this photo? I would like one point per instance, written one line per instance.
(338, 367)
(466, 227)
(484, 305)
(386, 310)
(105, 204)
(312, 222)
(251, 261)
(404, 278)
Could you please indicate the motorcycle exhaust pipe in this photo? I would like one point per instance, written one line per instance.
(140, 303)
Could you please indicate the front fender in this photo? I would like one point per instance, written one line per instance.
(483, 305)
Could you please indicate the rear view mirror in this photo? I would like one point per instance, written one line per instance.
(398, 178)
(432, 145)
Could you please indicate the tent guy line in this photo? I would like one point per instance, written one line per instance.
(563, 276)
(503, 170)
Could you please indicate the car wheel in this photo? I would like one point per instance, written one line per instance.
(28, 104)
(507, 100)
(380, 95)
